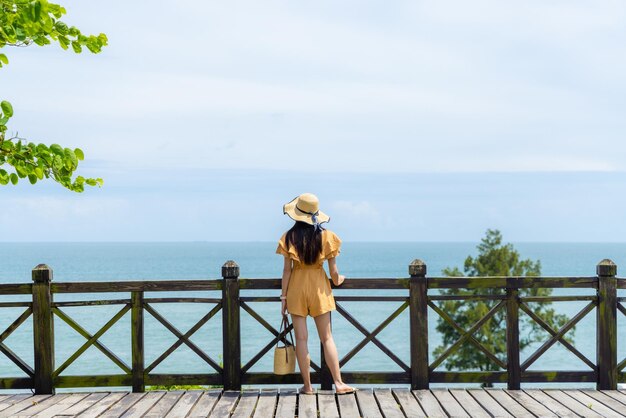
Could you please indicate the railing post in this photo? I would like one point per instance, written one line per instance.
(512, 334)
(231, 337)
(136, 319)
(606, 338)
(418, 308)
(43, 330)
(326, 379)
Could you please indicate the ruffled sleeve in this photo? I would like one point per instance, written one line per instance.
(286, 252)
(331, 245)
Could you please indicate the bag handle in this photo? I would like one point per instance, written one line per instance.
(284, 325)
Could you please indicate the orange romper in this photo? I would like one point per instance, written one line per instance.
(309, 291)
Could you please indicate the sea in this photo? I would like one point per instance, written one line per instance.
(109, 261)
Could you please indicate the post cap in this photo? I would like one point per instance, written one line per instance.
(606, 267)
(42, 274)
(417, 268)
(230, 270)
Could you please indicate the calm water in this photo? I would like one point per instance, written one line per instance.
(200, 260)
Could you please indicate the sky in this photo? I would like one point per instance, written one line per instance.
(411, 120)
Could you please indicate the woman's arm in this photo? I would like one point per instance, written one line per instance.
(287, 266)
(334, 272)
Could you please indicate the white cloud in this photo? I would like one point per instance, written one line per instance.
(408, 86)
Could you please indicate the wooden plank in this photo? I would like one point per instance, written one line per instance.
(409, 404)
(15, 289)
(21, 402)
(388, 404)
(10, 400)
(594, 404)
(286, 404)
(429, 403)
(367, 404)
(137, 286)
(246, 404)
(37, 407)
(103, 405)
(510, 404)
(56, 408)
(530, 404)
(121, 406)
(164, 405)
(348, 407)
(143, 405)
(267, 403)
(617, 395)
(327, 404)
(307, 406)
(184, 404)
(449, 404)
(571, 403)
(83, 405)
(469, 404)
(550, 403)
(489, 404)
(205, 404)
(226, 404)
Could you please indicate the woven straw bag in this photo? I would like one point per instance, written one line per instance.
(285, 357)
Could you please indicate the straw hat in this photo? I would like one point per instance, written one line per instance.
(305, 208)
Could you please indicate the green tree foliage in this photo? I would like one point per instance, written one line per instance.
(23, 23)
(494, 259)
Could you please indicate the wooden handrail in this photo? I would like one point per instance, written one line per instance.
(418, 292)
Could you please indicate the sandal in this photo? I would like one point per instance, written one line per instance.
(346, 391)
(301, 391)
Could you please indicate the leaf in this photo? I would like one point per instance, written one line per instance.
(76, 47)
(3, 59)
(79, 154)
(32, 178)
(70, 159)
(37, 10)
(7, 109)
(57, 149)
(14, 178)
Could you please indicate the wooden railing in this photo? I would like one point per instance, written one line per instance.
(45, 376)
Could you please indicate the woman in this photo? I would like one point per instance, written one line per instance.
(305, 286)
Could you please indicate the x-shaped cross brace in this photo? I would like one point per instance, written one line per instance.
(371, 336)
(7, 351)
(467, 334)
(183, 338)
(556, 336)
(277, 337)
(91, 340)
(471, 338)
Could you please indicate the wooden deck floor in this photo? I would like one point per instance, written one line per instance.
(395, 403)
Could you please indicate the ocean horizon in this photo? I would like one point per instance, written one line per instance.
(119, 261)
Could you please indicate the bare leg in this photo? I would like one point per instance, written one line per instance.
(322, 322)
(302, 350)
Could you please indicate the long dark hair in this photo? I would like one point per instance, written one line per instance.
(307, 240)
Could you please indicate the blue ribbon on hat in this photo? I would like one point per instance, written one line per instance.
(316, 224)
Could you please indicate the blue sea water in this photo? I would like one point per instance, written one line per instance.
(203, 260)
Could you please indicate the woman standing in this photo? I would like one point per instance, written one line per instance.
(305, 286)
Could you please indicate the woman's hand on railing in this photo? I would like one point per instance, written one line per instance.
(338, 279)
